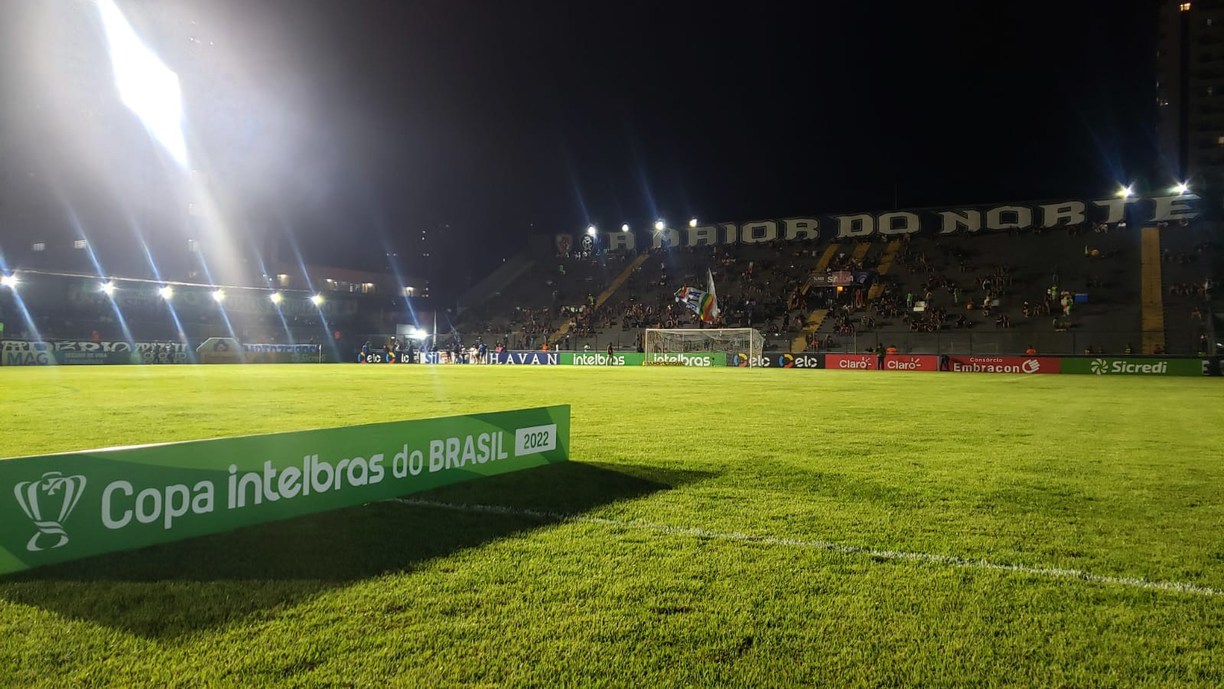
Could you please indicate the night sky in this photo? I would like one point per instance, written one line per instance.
(497, 117)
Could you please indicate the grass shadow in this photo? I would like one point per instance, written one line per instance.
(176, 589)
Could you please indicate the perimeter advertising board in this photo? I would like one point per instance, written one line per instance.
(851, 362)
(807, 360)
(62, 507)
(702, 359)
(1004, 364)
(1103, 366)
(526, 358)
(911, 362)
(87, 352)
(282, 353)
(602, 359)
(599, 359)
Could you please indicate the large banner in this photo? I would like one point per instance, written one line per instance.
(841, 278)
(84, 352)
(1144, 366)
(1004, 364)
(972, 219)
(63, 507)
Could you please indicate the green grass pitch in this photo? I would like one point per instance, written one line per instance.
(716, 527)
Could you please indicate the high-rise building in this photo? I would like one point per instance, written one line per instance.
(1190, 91)
(431, 260)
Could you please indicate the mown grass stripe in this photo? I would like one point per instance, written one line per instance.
(829, 546)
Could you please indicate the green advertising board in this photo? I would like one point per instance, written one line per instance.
(601, 359)
(1132, 366)
(67, 506)
(703, 359)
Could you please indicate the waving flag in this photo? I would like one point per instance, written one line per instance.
(704, 304)
(709, 308)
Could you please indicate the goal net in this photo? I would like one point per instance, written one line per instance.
(738, 344)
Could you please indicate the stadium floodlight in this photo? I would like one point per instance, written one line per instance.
(276, 297)
(107, 288)
(660, 225)
(625, 227)
(591, 230)
(1126, 192)
(316, 299)
(9, 281)
(418, 333)
(1181, 188)
(693, 222)
(218, 295)
(145, 84)
(165, 292)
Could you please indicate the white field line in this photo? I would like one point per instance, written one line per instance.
(829, 546)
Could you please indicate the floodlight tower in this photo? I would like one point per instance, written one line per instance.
(153, 92)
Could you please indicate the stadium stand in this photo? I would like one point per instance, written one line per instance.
(1066, 290)
(1187, 288)
(50, 306)
(1084, 289)
(992, 294)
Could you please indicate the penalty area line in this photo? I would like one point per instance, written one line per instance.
(827, 546)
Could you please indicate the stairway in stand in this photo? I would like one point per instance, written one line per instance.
(817, 316)
(604, 295)
(885, 265)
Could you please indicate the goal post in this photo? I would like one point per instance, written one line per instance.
(745, 342)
